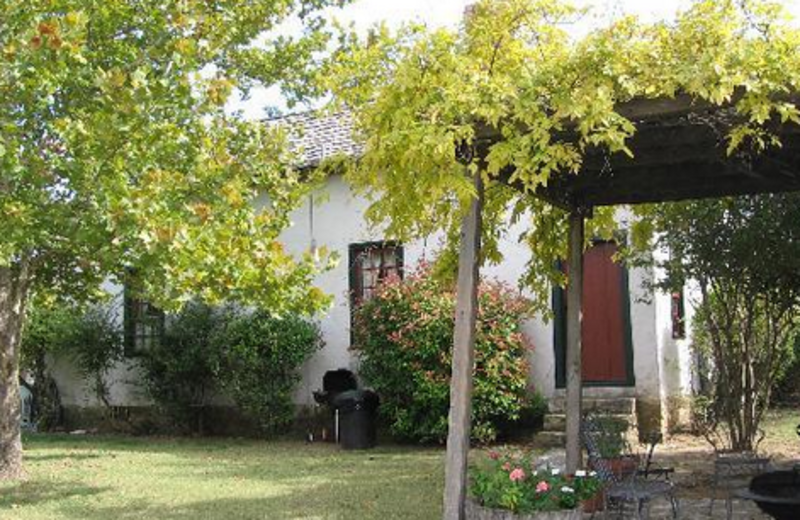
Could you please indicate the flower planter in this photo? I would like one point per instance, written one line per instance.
(622, 467)
(475, 511)
(594, 504)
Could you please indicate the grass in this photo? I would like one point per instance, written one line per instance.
(781, 438)
(152, 478)
(94, 478)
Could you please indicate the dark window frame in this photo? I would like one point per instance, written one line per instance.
(143, 323)
(678, 313)
(356, 251)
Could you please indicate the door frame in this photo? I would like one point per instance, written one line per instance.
(560, 332)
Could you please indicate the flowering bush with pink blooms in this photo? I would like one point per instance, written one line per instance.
(512, 481)
(404, 339)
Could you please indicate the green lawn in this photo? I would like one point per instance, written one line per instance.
(97, 478)
(781, 438)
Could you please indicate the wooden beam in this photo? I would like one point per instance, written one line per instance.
(455, 487)
(678, 181)
(573, 355)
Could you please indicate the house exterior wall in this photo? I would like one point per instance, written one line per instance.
(647, 357)
(337, 222)
(334, 218)
(676, 359)
(124, 388)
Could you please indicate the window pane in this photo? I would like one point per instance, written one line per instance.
(143, 325)
(370, 265)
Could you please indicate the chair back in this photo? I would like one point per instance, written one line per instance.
(597, 438)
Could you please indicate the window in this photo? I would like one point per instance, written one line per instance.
(144, 324)
(370, 264)
(678, 315)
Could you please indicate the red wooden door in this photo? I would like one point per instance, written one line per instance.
(603, 329)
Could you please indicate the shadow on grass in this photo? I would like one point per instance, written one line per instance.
(33, 493)
(388, 491)
(144, 444)
(262, 509)
(226, 458)
(34, 456)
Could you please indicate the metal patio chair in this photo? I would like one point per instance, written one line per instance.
(732, 472)
(626, 488)
(653, 470)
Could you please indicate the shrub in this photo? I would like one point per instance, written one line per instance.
(748, 346)
(743, 254)
(180, 372)
(94, 343)
(89, 336)
(787, 391)
(404, 337)
(41, 338)
(259, 368)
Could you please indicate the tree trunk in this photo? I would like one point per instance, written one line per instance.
(13, 292)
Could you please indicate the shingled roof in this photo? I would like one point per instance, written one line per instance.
(677, 155)
(316, 137)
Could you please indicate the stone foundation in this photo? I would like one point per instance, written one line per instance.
(649, 416)
(148, 420)
(679, 414)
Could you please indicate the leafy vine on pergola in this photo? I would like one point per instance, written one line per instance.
(550, 103)
(546, 118)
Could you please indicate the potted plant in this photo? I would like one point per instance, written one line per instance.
(508, 486)
(613, 446)
(613, 451)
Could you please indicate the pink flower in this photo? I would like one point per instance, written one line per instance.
(517, 474)
(494, 455)
(542, 486)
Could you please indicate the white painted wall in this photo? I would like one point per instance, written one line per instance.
(676, 354)
(539, 334)
(123, 378)
(337, 222)
(646, 347)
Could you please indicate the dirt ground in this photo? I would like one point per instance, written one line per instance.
(693, 457)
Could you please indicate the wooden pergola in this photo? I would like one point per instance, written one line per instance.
(680, 153)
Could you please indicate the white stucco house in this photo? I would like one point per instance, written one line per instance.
(636, 348)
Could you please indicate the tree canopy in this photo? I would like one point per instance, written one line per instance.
(743, 255)
(117, 154)
(512, 69)
(118, 160)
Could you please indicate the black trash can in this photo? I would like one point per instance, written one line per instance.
(334, 382)
(357, 410)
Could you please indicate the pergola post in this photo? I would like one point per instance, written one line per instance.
(573, 355)
(455, 487)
